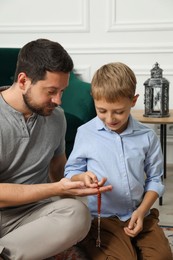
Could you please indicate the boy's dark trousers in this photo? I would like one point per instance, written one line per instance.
(150, 243)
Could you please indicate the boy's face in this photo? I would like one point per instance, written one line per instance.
(115, 115)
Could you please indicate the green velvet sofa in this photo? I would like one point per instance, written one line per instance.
(76, 101)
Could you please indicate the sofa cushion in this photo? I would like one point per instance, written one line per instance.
(8, 59)
(78, 106)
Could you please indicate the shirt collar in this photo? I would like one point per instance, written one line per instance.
(132, 126)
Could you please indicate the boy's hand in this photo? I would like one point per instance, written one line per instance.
(91, 180)
(135, 224)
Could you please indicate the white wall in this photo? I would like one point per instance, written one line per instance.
(138, 33)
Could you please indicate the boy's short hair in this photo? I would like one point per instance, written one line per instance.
(113, 81)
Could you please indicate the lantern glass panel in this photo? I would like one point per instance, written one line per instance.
(157, 99)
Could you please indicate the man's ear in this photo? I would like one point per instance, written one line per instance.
(22, 80)
(135, 98)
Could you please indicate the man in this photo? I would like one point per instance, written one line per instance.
(32, 147)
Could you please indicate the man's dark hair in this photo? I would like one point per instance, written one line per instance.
(39, 56)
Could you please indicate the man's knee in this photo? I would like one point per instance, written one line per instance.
(75, 215)
(81, 218)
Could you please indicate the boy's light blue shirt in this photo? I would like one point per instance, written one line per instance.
(132, 162)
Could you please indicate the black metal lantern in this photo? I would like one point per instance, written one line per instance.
(156, 98)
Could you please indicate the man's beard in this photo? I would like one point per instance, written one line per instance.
(42, 111)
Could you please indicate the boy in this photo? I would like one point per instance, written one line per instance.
(116, 149)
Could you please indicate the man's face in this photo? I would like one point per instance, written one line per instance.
(43, 96)
(115, 115)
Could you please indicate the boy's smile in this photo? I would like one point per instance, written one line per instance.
(115, 115)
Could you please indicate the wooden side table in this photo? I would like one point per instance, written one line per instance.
(163, 122)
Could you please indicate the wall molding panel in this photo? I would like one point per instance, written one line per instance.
(145, 25)
(122, 49)
(85, 71)
(77, 23)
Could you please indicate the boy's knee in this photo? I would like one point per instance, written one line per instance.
(163, 255)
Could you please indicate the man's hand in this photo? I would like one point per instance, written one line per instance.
(79, 188)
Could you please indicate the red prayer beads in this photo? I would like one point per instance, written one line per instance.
(98, 241)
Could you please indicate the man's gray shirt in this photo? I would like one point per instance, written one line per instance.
(26, 147)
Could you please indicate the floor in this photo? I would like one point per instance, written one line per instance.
(166, 210)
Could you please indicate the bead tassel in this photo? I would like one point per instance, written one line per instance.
(98, 241)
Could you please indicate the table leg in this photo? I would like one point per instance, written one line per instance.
(163, 145)
(164, 149)
(161, 201)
